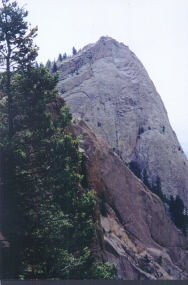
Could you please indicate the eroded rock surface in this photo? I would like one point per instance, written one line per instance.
(138, 235)
(107, 86)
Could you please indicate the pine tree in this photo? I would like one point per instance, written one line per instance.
(176, 207)
(16, 46)
(54, 68)
(60, 57)
(52, 215)
(135, 168)
(74, 51)
(64, 56)
(49, 216)
(145, 179)
(156, 188)
(48, 64)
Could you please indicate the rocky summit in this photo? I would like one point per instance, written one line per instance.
(106, 85)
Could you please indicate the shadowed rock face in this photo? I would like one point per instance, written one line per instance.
(107, 86)
(138, 235)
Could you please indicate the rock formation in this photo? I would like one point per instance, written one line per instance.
(107, 86)
(138, 236)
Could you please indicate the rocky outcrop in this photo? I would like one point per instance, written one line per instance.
(138, 235)
(107, 86)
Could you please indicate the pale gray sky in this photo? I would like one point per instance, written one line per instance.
(155, 30)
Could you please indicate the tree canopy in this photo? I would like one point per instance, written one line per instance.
(16, 38)
(50, 216)
(177, 210)
(16, 46)
(74, 51)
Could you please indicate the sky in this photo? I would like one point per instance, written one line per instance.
(155, 30)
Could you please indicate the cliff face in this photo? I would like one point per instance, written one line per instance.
(138, 236)
(107, 86)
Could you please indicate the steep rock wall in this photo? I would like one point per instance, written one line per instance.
(138, 235)
(107, 86)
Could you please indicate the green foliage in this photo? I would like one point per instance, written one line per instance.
(105, 271)
(60, 57)
(49, 217)
(140, 130)
(176, 206)
(102, 206)
(74, 51)
(64, 56)
(145, 179)
(135, 168)
(54, 67)
(16, 39)
(156, 188)
(17, 50)
(52, 216)
(145, 265)
(159, 260)
(177, 210)
(48, 64)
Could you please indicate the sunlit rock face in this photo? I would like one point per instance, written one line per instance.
(107, 86)
(136, 233)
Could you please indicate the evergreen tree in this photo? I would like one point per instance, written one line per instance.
(145, 179)
(52, 216)
(17, 51)
(16, 46)
(135, 168)
(48, 64)
(49, 216)
(41, 64)
(156, 188)
(176, 207)
(60, 57)
(54, 68)
(74, 51)
(64, 56)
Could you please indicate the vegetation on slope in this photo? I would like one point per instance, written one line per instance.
(176, 206)
(48, 216)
